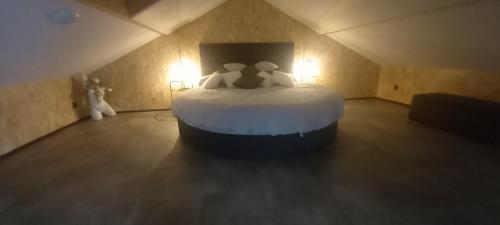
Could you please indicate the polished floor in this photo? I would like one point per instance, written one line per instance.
(133, 169)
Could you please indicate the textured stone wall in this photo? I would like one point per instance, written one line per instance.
(413, 81)
(139, 78)
(32, 110)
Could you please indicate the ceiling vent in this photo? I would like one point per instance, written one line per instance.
(62, 16)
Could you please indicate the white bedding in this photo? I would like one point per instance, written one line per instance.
(262, 111)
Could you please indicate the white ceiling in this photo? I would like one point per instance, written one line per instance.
(168, 15)
(334, 15)
(31, 48)
(462, 34)
(465, 38)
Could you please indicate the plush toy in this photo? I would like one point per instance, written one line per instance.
(98, 105)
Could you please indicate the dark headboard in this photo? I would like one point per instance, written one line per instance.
(213, 56)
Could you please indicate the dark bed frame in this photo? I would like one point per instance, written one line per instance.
(212, 57)
(257, 146)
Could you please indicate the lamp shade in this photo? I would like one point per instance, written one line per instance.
(311, 68)
(185, 71)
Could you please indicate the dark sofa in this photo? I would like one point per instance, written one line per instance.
(469, 117)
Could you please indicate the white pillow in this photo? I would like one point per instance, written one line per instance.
(235, 66)
(268, 79)
(283, 79)
(204, 79)
(213, 81)
(230, 77)
(266, 66)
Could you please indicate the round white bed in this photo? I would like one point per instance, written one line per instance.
(269, 121)
(261, 111)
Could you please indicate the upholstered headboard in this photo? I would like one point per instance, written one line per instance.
(213, 56)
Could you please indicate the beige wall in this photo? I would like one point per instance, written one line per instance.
(29, 111)
(139, 78)
(413, 81)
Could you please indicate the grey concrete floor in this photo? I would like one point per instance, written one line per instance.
(133, 169)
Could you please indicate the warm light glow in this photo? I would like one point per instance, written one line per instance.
(186, 71)
(306, 71)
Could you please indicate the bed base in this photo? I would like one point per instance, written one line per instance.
(256, 146)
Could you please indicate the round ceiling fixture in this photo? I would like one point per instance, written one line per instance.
(62, 16)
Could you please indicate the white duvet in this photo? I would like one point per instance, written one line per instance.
(262, 111)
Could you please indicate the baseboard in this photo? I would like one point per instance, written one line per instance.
(20, 148)
(391, 101)
(361, 98)
(144, 110)
(378, 98)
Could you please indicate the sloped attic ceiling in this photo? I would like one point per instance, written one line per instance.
(32, 48)
(460, 34)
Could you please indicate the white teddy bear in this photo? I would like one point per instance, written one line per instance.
(98, 105)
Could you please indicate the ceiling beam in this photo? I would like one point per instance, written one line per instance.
(117, 8)
(136, 6)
